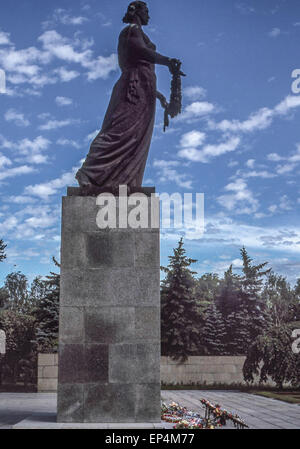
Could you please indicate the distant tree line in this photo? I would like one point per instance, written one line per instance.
(252, 313)
(29, 315)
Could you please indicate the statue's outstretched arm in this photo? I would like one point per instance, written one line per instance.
(141, 51)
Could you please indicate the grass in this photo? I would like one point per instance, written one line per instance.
(292, 397)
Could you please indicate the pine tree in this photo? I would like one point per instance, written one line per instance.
(47, 314)
(179, 314)
(238, 336)
(214, 332)
(229, 298)
(252, 300)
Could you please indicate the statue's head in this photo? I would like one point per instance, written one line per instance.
(137, 8)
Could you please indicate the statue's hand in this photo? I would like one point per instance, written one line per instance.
(175, 67)
(164, 103)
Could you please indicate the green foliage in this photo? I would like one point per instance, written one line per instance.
(229, 297)
(238, 336)
(20, 356)
(47, 313)
(271, 355)
(214, 332)
(206, 290)
(252, 300)
(281, 300)
(16, 285)
(179, 313)
(29, 316)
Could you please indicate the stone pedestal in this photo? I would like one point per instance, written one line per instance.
(109, 335)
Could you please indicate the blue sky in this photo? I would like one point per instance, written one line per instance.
(237, 140)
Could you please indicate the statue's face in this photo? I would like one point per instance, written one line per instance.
(144, 15)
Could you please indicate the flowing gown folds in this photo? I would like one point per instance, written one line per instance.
(119, 152)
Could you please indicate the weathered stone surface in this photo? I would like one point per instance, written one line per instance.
(144, 319)
(110, 249)
(71, 325)
(147, 250)
(122, 364)
(110, 325)
(70, 404)
(109, 403)
(148, 363)
(71, 364)
(96, 363)
(109, 319)
(146, 408)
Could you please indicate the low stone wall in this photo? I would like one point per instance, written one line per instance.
(47, 373)
(203, 370)
(206, 370)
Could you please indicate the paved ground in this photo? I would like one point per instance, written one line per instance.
(29, 410)
(258, 412)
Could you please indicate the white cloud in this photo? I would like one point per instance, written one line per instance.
(289, 103)
(258, 174)
(28, 65)
(20, 199)
(275, 32)
(168, 173)
(17, 117)
(4, 161)
(66, 75)
(61, 15)
(16, 171)
(289, 163)
(68, 142)
(250, 163)
(259, 120)
(210, 151)
(62, 48)
(55, 124)
(194, 92)
(199, 108)
(274, 157)
(241, 200)
(29, 150)
(63, 101)
(4, 38)
(91, 136)
(192, 139)
(44, 190)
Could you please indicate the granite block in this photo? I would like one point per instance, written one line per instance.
(70, 405)
(110, 325)
(109, 403)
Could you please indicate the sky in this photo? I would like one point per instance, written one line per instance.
(237, 139)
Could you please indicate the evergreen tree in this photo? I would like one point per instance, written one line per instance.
(47, 314)
(238, 336)
(229, 298)
(16, 285)
(281, 300)
(252, 300)
(214, 332)
(206, 290)
(179, 314)
(271, 355)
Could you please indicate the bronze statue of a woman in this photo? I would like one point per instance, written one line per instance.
(119, 153)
